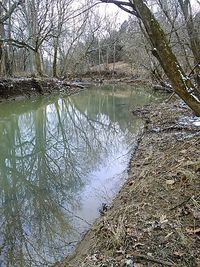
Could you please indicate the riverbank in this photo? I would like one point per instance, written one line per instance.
(155, 218)
(23, 88)
(12, 89)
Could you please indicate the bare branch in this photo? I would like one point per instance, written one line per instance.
(195, 67)
(84, 11)
(12, 9)
(17, 43)
(1, 4)
(124, 6)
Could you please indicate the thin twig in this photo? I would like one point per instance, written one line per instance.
(181, 204)
(168, 99)
(149, 258)
(192, 71)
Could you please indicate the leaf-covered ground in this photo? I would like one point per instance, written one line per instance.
(155, 219)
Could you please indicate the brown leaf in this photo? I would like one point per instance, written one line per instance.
(196, 214)
(178, 254)
(138, 245)
(130, 183)
(163, 219)
(198, 262)
(170, 182)
(119, 258)
(193, 231)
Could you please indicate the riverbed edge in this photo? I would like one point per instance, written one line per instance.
(16, 89)
(150, 220)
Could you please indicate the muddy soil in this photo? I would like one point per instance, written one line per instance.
(155, 218)
(23, 88)
(16, 89)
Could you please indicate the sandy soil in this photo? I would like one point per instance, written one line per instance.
(155, 218)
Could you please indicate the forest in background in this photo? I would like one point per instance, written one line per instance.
(71, 39)
(66, 37)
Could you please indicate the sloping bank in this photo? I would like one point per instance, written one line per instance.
(155, 219)
(22, 88)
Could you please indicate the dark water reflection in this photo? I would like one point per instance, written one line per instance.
(60, 158)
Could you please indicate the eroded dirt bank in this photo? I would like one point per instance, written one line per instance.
(155, 219)
(22, 88)
(12, 89)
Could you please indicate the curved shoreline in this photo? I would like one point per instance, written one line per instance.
(150, 221)
(13, 89)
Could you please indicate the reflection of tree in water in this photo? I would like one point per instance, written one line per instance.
(29, 199)
(45, 157)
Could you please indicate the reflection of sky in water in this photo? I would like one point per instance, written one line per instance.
(60, 159)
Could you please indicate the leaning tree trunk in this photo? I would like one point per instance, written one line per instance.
(163, 52)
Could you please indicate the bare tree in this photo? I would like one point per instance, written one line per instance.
(6, 11)
(193, 35)
(181, 83)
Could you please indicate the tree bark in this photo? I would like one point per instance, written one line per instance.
(163, 52)
(38, 64)
(55, 55)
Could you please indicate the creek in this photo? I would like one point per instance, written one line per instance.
(60, 159)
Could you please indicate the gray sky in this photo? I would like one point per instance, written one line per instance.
(120, 15)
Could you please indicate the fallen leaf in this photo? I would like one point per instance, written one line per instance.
(119, 258)
(178, 254)
(184, 151)
(163, 219)
(193, 231)
(138, 245)
(130, 183)
(196, 214)
(170, 182)
(198, 263)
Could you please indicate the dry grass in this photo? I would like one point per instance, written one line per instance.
(120, 69)
(155, 219)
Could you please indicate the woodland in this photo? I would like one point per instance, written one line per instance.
(66, 38)
(57, 48)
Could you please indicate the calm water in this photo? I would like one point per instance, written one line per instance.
(60, 158)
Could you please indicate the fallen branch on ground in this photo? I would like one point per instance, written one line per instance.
(151, 259)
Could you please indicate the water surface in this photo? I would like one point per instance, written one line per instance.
(60, 159)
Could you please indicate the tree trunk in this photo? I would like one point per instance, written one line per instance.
(165, 8)
(180, 82)
(38, 63)
(9, 62)
(54, 64)
(2, 35)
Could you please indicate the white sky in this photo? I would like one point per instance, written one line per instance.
(112, 10)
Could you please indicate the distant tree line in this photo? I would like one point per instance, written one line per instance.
(61, 38)
(56, 37)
